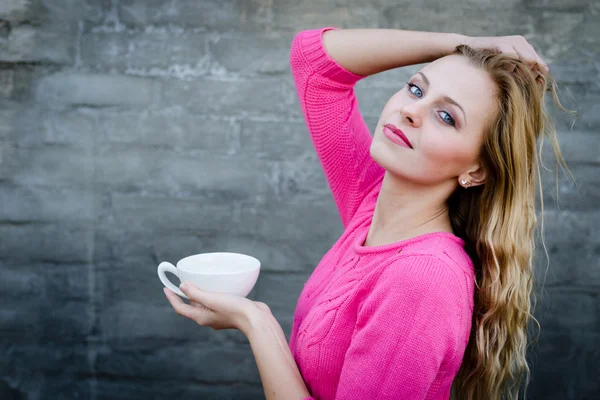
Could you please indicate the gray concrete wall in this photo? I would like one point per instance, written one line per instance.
(136, 131)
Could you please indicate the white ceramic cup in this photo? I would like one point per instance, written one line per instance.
(222, 272)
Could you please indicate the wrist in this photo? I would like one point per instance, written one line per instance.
(261, 324)
(456, 39)
(436, 45)
(254, 320)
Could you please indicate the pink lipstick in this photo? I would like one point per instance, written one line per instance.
(396, 135)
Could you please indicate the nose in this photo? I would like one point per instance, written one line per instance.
(412, 114)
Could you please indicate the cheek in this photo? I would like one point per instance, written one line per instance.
(445, 149)
(394, 103)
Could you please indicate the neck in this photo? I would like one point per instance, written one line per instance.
(405, 210)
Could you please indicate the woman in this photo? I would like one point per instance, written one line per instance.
(428, 288)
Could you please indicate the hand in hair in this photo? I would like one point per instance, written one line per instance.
(516, 46)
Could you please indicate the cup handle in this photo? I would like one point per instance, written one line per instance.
(168, 267)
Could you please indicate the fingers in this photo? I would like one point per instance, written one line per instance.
(518, 47)
(194, 311)
(543, 67)
(529, 56)
(525, 56)
(186, 310)
(195, 294)
(509, 50)
(540, 80)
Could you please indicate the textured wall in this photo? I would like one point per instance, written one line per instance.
(137, 131)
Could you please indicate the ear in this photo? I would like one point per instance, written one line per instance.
(474, 176)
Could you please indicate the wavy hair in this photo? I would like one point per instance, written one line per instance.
(497, 221)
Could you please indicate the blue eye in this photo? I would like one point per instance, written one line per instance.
(414, 89)
(444, 115)
(447, 118)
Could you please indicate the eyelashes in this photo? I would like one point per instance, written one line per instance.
(411, 86)
(450, 120)
(418, 92)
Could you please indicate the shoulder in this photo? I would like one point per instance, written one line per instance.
(447, 248)
(437, 266)
(421, 271)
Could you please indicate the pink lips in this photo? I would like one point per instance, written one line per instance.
(396, 135)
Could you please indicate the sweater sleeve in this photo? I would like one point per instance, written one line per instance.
(408, 326)
(339, 133)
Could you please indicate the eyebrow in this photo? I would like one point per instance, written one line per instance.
(445, 98)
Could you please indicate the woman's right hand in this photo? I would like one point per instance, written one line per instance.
(516, 46)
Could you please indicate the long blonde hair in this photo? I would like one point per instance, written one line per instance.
(497, 222)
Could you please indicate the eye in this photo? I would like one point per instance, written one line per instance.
(414, 89)
(444, 115)
(447, 118)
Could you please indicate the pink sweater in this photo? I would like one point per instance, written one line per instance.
(378, 322)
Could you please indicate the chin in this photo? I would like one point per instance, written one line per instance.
(386, 158)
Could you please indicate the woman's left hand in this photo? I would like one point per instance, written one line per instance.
(216, 310)
(516, 46)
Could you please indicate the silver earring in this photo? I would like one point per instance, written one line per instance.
(464, 182)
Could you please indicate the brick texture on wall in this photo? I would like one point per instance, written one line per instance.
(139, 131)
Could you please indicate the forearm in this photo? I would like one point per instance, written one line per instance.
(370, 51)
(280, 376)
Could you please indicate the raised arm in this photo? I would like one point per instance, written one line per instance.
(370, 51)
(326, 64)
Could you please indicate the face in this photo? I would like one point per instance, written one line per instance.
(442, 111)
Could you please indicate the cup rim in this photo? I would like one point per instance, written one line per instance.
(252, 268)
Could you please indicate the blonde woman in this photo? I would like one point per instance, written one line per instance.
(427, 291)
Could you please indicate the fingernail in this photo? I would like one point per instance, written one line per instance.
(183, 287)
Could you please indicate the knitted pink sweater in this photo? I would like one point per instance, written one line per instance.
(378, 322)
